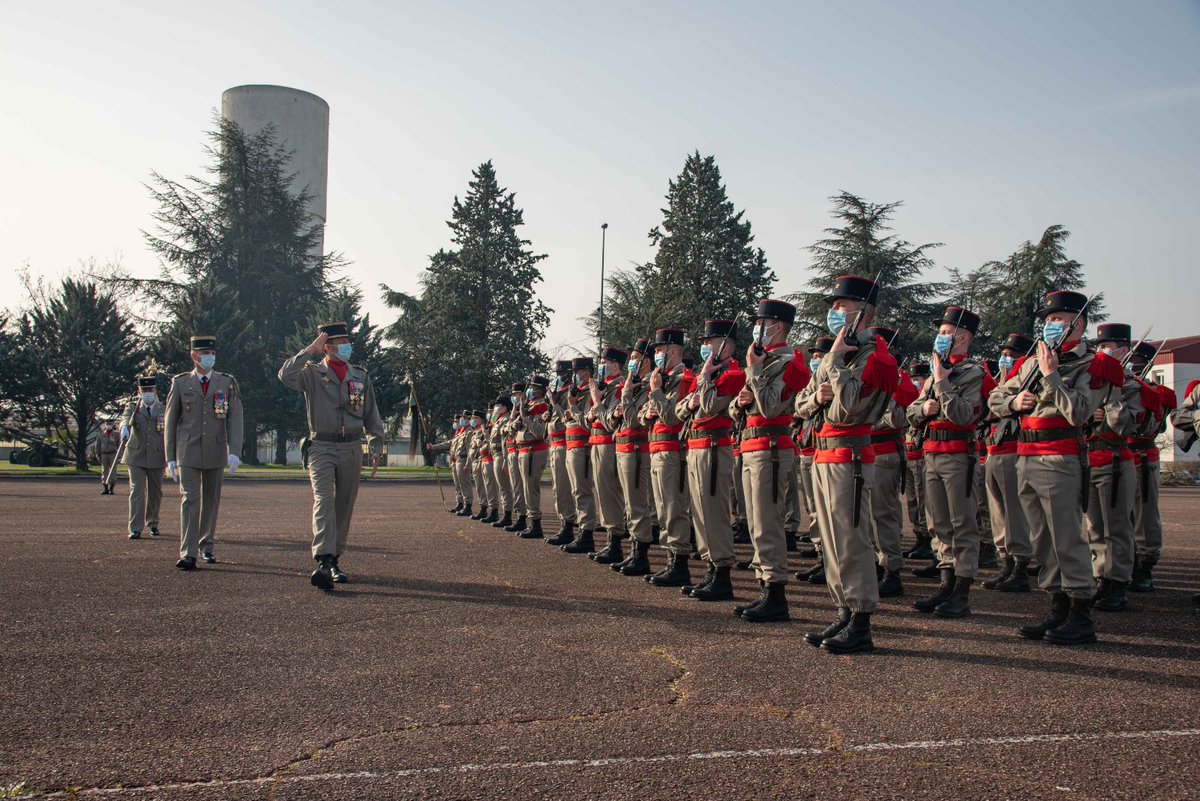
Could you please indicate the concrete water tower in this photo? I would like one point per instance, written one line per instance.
(301, 121)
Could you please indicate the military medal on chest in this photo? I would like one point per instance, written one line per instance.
(159, 423)
(220, 405)
(357, 390)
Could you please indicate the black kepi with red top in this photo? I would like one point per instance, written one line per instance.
(719, 329)
(334, 330)
(822, 345)
(609, 353)
(1018, 343)
(1119, 333)
(668, 336)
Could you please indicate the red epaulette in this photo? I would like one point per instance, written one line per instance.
(1104, 369)
(905, 393)
(881, 372)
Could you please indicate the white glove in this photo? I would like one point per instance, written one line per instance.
(173, 470)
(234, 464)
(124, 433)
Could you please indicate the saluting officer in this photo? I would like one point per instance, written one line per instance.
(340, 409)
(142, 427)
(203, 438)
(1054, 397)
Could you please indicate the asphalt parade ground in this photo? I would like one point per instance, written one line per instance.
(462, 662)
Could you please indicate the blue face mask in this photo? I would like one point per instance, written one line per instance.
(344, 349)
(529, 394)
(1006, 364)
(941, 345)
(705, 352)
(813, 364)
(660, 361)
(631, 365)
(208, 361)
(1054, 332)
(835, 321)
(515, 399)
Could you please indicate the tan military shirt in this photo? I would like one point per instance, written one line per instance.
(335, 407)
(202, 430)
(146, 425)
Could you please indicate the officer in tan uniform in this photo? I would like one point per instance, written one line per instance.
(852, 387)
(142, 427)
(579, 458)
(632, 440)
(487, 467)
(450, 447)
(775, 374)
(556, 429)
(669, 382)
(605, 397)
(1054, 396)
(710, 456)
(502, 411)
(105, 446)
(533, 414)
(808, 451)
(949, 408)
(460, 452)
(203, 437)
(1010, 531)
(340, 410)
(1110, 497)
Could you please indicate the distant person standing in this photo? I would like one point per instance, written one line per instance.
(203, 437)
(142, 428)
(341, 409)
(105, 447)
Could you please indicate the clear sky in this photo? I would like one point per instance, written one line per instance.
(990, 121)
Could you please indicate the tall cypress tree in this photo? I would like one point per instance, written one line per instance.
(863, 246)
(706, 264)
(476, 325)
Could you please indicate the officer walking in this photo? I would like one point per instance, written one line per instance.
(142, 427)
(105, 446)
(341, 408)
(203, 438)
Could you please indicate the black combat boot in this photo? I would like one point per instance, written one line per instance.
(465, 511)
(505, 521)
(959, 602)
(688, 589)
(720, 588)
(922, 550)
(741, 533)
(482, 513)
(808, 553)
(1116, 599)
(336, 572)
(890, 586)
(1019, 580)
(817, 575)
(584, 543)
(987, 555)
(879, 571)
(675, 574)
(805, 538)
(854, 639)
(1102, 587)
(1060, 606)
(493, 516)
(322, 577)
(930, 570)
(763, 592)
(815, 638)
(612, 553)
(1077, 629)
(1004, 575)
(802, 575)
(457, 507)
(534, 532)
(638, 563)
(945, 588)
(518, 526)
(1143, 570)
(563, 536)
(773, 608)
(789, 537)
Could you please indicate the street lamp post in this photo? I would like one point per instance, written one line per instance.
(600, 327)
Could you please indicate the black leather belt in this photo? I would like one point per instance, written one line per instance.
(663, 437)
(765, 431)
(355, 436)
(829, 443)
(944, 435)
(1049, 434)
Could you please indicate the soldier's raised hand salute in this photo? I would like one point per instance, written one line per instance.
(317, 348)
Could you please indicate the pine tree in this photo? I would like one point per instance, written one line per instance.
(862, 246)
(706, 264)
(476, 325)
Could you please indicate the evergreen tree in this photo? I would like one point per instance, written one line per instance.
(706, 264)
(237, 258)
(862, 246)
(476, 324)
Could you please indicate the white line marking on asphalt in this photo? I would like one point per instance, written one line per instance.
(758, 753)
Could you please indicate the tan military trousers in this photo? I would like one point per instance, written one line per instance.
(504, 488)
(477, 482)
(791, 512)
(634, 470)
(1010, 530)
(739, 492)
(886, 516)
(914, 496)
(531, 465)
(810, 503)
(710, 510)
(106, 463)
(607, 488)
(200, 491)
(1147, 523)
(462, 482)
(145, 497)
(579, 471)
(334, 469)
(1109, 525)
(849, 552)
(1051, 495)
(564, 504)
(675, 525)
(983, 515)
(514, 477)
(764, 512)
(950, 504)
(491, 489)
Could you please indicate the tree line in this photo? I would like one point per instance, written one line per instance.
(237, 256)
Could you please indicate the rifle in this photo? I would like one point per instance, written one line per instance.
(1150, 362)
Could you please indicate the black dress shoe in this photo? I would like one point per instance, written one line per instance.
(135, 535)
(186, 563)
(336, 573)
(322, 577)
(208, 558)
